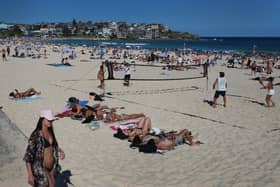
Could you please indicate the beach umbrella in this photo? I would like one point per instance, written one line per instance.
(163, 55)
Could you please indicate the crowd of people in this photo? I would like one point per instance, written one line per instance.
(43, 151)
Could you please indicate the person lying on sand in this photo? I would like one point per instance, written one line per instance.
(141, 130)
(163, 141)
(28, 93)
(100, 112)
(111, 116)
(171, 140)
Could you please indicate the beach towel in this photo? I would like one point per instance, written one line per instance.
(59, 65)
(67, 113)
(82, 103)
(125, 126)
(28, 99)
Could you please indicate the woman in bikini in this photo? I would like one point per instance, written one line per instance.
(29, 92)
(270, 91)
(172, 140)
(111, 116)
(43, 152)
(141, 130)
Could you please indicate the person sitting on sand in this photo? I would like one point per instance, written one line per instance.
(28, 93)
(270, 91)
(221, 84)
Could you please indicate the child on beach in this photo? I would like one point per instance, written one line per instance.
(221, 84)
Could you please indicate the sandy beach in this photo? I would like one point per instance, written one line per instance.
(241, 142)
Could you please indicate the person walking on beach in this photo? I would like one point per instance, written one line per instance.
(4, 58)
(254, 68)
(269, 67)
(270, 91)
(8, 50)
(221, 84)
(100, 77)
(42, 153)
(127, 75)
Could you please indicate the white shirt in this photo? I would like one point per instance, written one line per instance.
(127, 70)
(222, 84)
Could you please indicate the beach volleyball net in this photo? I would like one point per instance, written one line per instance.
(157, 72)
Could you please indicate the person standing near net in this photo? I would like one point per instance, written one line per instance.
(221, 84)
(100, 77)
(127, 75)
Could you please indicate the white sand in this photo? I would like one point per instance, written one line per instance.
(240, 149)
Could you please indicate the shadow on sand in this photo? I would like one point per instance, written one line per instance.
(257, 102)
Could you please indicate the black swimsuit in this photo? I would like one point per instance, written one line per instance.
(84, 110)
(47, 143)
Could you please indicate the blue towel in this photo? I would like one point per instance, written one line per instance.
(28, 99)
(82, 103)
(59, 65)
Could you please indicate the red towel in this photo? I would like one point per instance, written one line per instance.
(67, 113)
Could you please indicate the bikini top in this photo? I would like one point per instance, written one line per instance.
(86, 108)
(47, 143)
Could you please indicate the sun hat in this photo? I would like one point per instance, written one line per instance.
(47, 113)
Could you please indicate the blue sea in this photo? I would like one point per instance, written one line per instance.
(267, 45)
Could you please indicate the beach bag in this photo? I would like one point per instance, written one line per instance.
(150, 147)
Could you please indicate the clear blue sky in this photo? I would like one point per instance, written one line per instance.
(202, 17)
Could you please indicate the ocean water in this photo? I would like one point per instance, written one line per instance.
(268, 45)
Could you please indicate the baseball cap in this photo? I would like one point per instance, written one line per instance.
(47, 113)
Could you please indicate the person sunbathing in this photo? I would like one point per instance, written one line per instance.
(28, 93)
(141, 130)
(170, 140)
(87, 112)
(111, 116)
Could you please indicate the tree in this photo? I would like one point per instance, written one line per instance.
(74, 23)
(65, 31)
(17, 31)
